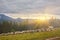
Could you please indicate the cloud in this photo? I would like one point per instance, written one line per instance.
(30, 6)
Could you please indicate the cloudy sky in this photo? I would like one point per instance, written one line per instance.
(29, 7)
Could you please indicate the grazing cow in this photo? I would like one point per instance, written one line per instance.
(50, 28)
(18, 32)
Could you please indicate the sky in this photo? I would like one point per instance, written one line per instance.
(23, 8)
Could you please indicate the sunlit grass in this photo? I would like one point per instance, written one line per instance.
(32, 36)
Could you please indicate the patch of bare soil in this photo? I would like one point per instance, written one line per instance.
(55, 38)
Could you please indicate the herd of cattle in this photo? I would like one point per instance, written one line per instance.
(29, 31)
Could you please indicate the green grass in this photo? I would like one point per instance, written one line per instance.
(32, 36)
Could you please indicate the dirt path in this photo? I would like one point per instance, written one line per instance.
(55, 38)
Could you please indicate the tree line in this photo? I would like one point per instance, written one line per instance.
(9, 26)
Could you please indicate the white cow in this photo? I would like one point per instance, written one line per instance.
(50, 28)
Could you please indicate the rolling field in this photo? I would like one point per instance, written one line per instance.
(32, 36)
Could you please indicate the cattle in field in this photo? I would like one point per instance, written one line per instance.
(50, 28)
(19, 32)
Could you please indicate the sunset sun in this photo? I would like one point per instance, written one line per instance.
(45, 17)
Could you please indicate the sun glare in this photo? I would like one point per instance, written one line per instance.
(45, 17)
(42, 18)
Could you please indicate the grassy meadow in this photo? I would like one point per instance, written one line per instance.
(32, 36)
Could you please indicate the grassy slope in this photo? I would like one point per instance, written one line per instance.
(32, 36)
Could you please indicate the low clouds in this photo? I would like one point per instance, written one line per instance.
(30, 6)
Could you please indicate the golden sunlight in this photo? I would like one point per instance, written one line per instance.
(45, 17)
(42, 18)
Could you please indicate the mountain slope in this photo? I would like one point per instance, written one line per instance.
(5, 18)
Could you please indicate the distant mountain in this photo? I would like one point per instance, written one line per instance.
(5, 18)
(19, 20)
